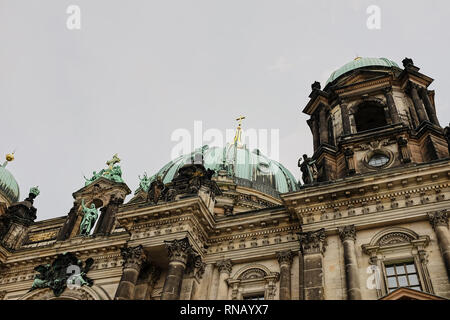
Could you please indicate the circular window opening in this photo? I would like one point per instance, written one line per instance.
(378, 160)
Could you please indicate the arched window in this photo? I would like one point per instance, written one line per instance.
(398, 259)
(253, 282)
(370, 115)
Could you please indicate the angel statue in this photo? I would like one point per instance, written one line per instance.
(155, 190)
(90, 215)
(41, 280)
(144, 182)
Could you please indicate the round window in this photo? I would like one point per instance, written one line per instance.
(378, 160)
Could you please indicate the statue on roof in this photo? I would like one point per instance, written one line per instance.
(35, 191)
(113, 172)
(308, 169)
(144, 182)
(90, 215)
(155, 190)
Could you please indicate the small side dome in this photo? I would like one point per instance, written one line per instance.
(360, 63)
(9, 188)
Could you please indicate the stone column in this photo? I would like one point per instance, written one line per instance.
(393, 112)
(301, 276)
(429, 107)
(205, 284)
(345, 119)
(179, 253)
(348, 237)
(418, 105)
(312, 245)
(404, 150)
(323, 125)
(350, 161)
(313, 125)
(67, 228)
(146, 282)
(225, 267)
(439, 221)
(212, 295)
(133, 257)
(106, 220)
(285, 261)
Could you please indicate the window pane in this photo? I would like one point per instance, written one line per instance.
(390, 271)
(410, 268)
(400, 269)
(413, 280)
(402, 282)
(415, 288)
(392, 282)
(255, 297)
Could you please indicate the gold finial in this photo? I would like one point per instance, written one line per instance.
(357, 58)
(10, 157)
(237, 137)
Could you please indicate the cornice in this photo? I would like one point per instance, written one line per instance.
(77, 245)
(349, 186)
(378, 219)
(253, 254)
(258, 233)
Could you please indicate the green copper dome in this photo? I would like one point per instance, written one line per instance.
(361, 63)
(8, 185)
(250, 169)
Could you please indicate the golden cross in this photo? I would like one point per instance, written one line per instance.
(115, 159)
(237, 137)
(240, 120)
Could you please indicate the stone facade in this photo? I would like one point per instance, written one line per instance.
(380, 199)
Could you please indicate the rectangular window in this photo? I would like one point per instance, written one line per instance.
(256, 296)
(402, 275)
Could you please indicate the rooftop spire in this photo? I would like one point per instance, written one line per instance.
(238, 135)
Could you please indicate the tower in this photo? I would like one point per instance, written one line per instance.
(373, 115)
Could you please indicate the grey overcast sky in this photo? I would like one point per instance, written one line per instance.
(138, 70)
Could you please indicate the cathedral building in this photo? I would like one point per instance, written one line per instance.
(369, 220)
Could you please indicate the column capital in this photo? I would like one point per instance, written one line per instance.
(313, 241)
(413, 86)
(347, 232)
(284, 257)
(179, 250)
(133, 257)
(225, 266)
(438, 218)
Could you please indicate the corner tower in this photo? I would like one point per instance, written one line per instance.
(373, 115)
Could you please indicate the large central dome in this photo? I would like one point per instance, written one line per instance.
(248, 168)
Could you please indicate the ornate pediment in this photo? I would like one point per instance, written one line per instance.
(102, 189)
(253, 274)
(394, 238)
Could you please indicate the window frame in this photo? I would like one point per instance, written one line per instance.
(399, 245)
(396, 263)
